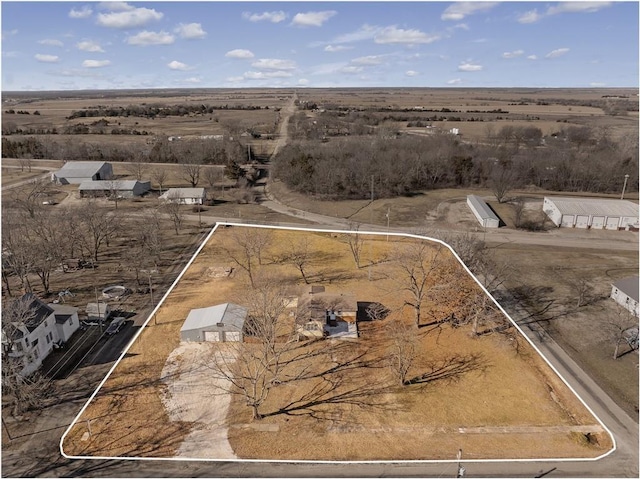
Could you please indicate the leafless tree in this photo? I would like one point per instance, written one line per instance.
(137, 167)
(17, 256)
(403, 350)
(299, 255)
(173, 209)
(21, 392)
(582, 291)
(618, 325)
(97, 226)
(191, 169)
(45, 235)
(115, 187)
(241, 250)
(518, 211)
(212, 175)
(355, 242)
(502, 180)
(30, 196)
(160, 175)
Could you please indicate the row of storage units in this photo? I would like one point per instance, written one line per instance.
(594, 213)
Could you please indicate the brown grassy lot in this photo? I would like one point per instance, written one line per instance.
(498, 387)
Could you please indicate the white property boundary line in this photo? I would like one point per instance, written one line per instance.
(288, 461)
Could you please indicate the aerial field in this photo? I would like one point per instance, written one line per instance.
(476, 385)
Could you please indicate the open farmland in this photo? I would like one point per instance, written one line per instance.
(488, 393)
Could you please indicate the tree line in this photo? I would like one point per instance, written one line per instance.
(152, 111)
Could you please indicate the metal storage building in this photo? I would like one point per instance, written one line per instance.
(596, 213)
(482, 212)
(223, 322)
(123, 188)
(76, 172)
(625, 293)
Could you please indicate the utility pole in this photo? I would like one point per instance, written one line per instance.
(460, 471)
(624, 187)
(387, 215)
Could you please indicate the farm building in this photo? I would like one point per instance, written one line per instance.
(99, 310)
(30, 342)
(76, 172)
(593, 213)
(625, 293)
(123, 188)
(223, 322)
(319, 312)
(184, 196)
(482, 212)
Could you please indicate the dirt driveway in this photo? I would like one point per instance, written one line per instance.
(193, 395)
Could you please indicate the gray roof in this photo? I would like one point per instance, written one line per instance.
(594, 206)
(482, 208)
(39, 312)
(629, 286)
(183, 193)
(101, 185)
(79, 169)
(62, 312)
(230, 314)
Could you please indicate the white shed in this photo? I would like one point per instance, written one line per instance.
(596, 213)
(482, 212)
(625, 293)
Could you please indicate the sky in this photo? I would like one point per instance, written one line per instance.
(142, 45)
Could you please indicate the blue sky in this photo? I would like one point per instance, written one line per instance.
(107, 45)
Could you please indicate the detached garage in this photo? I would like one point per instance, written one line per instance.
(221, 323)
(594, 213)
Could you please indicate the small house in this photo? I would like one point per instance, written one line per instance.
(76, 172)
(98, 311)
(321, 313)
(184, 196)
(220, 323)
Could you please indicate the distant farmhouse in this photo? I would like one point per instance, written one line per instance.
(76, 172)
(625, 293)
(220, 323)
(32, 341)
(121, 188)
(594, 213)
(184, 196)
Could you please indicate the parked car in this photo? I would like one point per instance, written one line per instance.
(115, 325)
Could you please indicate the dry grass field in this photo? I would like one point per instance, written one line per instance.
(480, 393)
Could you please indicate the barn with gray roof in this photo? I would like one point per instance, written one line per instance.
(76, 172)
(220, 323)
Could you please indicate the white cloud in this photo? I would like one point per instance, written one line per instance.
(411, 73)
(145, 38)
(84, 12)
(193, 80)
(577, 7)
(235, 79)
(459, 10)
(461, 26)
(469, 67)
(89, 46)
(95, 63)
(190, 31)
(303, 82)
(273, 17)
(531, 16)
(51, 42)
(239, 53)
(350, 69)
(455, 81)
(532, 57)
(398, 35)
(365, 32)
(46, 58)
(273, 64)
(513, 54)
(176, 65)
(337, 48)
(312, 19)
(115, 6)
(557, 53)
(265, 75)
(597, 84)
(136, 17)
(368, 60)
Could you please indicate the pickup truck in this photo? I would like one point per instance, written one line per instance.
(115, 325)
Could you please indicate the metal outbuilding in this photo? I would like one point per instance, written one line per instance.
(625, 293)
(220, 323)
(595, 213)
(123, 188)
(76, 172)
(482, 212)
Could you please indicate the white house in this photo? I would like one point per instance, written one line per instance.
(625, 293)
(184, 196)
(594, 213)
(30, 341)
(76, 172)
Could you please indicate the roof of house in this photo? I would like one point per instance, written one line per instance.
(101, 185)
(183, 193)
(629, 286)
(482, 208)
(63, 312)
(40, 311)
(229, 314)
(93, 307)
(313, 306)
(594, 206)
(80, 169)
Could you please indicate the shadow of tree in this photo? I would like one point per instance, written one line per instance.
(452, 368)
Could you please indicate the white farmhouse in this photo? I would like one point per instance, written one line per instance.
(625, 293)
(30, 341)
(184, 196)
(594, 213)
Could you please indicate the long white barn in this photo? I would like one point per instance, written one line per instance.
(595, 213)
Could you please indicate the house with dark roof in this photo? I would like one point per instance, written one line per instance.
(220, 323)
(625, 293)
(76, 172)
(321, 313)
(33, 338)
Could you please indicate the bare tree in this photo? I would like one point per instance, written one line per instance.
(173, 208)
(502, 180)
(30, 196)
(160, 175)
(97, 228)
(582, 291)
(22, 392)
(518, 211)
(137, 167)
(402, 351)
(355, 242)
(299, 255)
(191, 169)
(241, 250)
(618, 325)
(16, 245)
(115, 186)
(212, 175)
